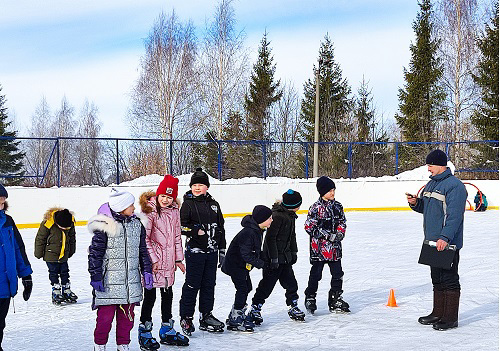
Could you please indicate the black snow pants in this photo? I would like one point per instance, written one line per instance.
(284, 273)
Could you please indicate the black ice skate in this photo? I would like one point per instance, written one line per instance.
(69, 296)
(169, 336)
(256, 315)
(336, 304)
(187, 325)
(57, 296)
(211, 324)
(146, 340)
(295, 313)
(237, 321)
(310, 304)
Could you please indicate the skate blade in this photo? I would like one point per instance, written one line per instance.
(339, 311)
(211, 330)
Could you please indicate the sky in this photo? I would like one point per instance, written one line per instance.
(92, 50)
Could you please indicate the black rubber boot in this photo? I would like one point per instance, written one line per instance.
(437, 311)
(450, 315)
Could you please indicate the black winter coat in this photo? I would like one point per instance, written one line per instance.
(202, 212)
(281, 240)
(244, 249)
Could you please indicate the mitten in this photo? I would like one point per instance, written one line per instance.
(148, 280)
(294, 258)
(28, 287)
(222, 257)
(340, 233)
(97, 285)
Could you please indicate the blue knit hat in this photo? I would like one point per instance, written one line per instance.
(3, 191)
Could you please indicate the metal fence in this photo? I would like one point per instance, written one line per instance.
(112, 160)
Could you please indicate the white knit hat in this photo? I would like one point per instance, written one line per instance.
(120, 200)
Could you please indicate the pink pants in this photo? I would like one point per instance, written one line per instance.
(124, 323)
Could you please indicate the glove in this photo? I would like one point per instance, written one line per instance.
(148, 280)
(274, 263)
(98, 286)
(28, 287)
(222, 257)
(340, 233)
(294, 258)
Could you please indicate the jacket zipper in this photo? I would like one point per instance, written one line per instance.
(126, 262)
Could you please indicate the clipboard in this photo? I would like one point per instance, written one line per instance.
(430, 256)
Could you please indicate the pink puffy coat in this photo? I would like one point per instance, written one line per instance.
(163, 239)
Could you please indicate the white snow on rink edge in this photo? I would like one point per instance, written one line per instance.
(380, 253)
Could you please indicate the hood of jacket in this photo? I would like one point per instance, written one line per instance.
(249, 222)
(147, 200)
(48, 216)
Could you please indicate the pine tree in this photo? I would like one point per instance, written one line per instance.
(420, 101)
(334, 108)
(364, 112)
(10, 157)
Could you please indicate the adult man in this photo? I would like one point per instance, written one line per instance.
(442, 203)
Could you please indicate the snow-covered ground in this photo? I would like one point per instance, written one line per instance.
(380, 253)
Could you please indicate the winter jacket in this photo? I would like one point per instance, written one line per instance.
(443, 204)
(13, 260)
(326, 225)
(477, 201)
(244, 251)
(51, 242)
(281, 240)
(163, 238)
(117, 255)
(202, 212)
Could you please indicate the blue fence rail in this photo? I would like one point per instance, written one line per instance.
(349, 150)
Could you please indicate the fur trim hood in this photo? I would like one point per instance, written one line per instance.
(108, 225)
(148, 202)
(48, 217)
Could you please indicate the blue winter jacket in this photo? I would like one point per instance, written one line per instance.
(443, 204)
(13, 260)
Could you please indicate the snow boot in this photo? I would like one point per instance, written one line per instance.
(437, 311)
(57, 297)
(450, 314)
(256, 315)
(169, 336)
(69, 295)
(310, 303)
(211, 324)
(336, 304)
(123, 347)
(146, 340)
(295, 313)
(99, 347)
(235, 319)
(187, 325)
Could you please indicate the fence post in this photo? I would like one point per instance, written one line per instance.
(397, 157)
(264, 159)
(219, 159)
(58, 165)
(171, 155)
(306, 145)
(117, 164)
(349, 158)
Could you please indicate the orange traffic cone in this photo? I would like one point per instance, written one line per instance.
(392, 300)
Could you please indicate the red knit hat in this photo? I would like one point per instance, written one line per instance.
(168, 186)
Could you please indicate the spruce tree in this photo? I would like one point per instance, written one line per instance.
(364, 112)
(10, 156)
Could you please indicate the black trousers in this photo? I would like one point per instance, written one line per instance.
(4, 309)
(243, 286)
(57, 269)
(201, 271)
(166, 296)
(316, 274)
(284, 273)
(446, 279)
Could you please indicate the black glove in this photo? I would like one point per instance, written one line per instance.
(274, 264)
(294, 258)
(222, 257)
(28, 287)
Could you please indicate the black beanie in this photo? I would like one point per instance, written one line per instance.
(291, 199)
(436, 158)
(199, 177)
(63, 218)
(261, 213)
(324, 185)
(3, 191)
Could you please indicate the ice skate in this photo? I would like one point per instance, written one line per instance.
(99, 347)
(238, 321)
(146, 340)
(187, 325)
(123, 347)
(310, 304)
(69, 296)
(295, 313)
(256, 315)
(57, 296)
(211, 324)
(336, 304)
(169, 336)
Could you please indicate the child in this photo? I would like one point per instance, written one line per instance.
(244, 254)
(203, 224)
(163, 239)
(13, 262)
(56, 243)
(280, 251)
(326, 225)
(117, 255)
(477, 201)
